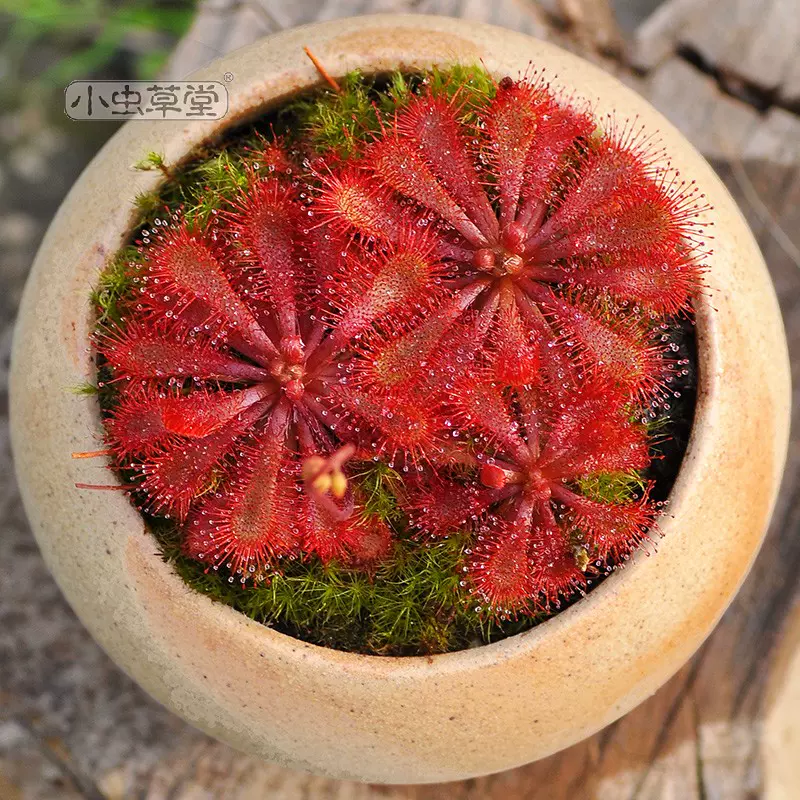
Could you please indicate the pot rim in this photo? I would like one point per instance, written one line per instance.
(708, 380)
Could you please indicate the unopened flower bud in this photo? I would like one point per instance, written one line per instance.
(338, 484)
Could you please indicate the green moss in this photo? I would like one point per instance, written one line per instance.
(396, 93)
(339, 122)
(379, 485)
(212, 184)
(152, 161)
(412, 603)
(612, 487)
(83, 389)
(114, 284)
(147, 203)
(469, 84)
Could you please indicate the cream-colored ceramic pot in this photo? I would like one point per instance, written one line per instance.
(396, 719)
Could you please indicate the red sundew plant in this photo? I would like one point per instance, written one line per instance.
(478, 295)
(534, 529)
(229, 381)
(531, 197)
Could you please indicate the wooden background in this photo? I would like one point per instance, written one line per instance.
(727, 72)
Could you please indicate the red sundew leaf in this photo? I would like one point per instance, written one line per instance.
(611, 532)
(555, 572)
(591, 433)
(500, 568)
(552, 153)
(619, 201)
(638, 218)
(409, 424)
(536, 408)
(660, 281)
(515, 358)
(480, 405)
(396, 362)
(326, 254)
(511, 124)
(371, 286)
(264, 226)
(601, 446)
(201, 413)
(431, 124)
(149, 351)
(606, 172)
(254, 520)
(136, 425)
(217, 535)
(356, 538)
(493, 476)
(143, 420)
(406, 171)
(183, 267)
(351, 202)
(175, 476)
(273, 160)
(619, 350)
(195, 320)
(211, 537)
(442, 508)
(458, 352)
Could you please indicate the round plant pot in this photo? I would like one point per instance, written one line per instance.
(376, 718)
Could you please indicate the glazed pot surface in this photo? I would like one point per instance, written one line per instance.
(396, 719)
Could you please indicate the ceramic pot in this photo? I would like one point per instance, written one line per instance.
(365, 717)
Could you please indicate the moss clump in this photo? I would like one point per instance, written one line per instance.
(85, 389)
(470, 85)
(152, 161)
(337, 122)
(612, 487)
(413, 603)
(114, 284)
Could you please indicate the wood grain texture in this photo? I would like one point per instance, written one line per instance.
(725, 727)
(753, 46)
(655, 39)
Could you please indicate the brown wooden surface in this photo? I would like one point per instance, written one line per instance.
(726, 726)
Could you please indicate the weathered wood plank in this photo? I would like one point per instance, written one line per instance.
(711, 28)
(207, 38)
(755, 42)
(519, 15)
(766, 45)
(654, 40)
(718, 125)
(593, 24)
(224, 25)
(780, 739)
(789, 92)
